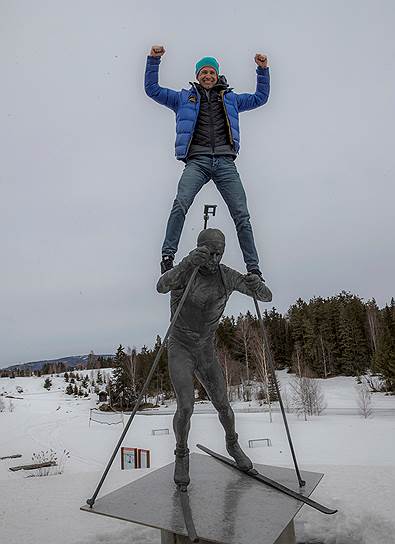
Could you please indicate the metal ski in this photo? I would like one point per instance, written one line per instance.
(187, 513)
(268, 481)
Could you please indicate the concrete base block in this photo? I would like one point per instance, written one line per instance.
(286, 537)
(171, 538)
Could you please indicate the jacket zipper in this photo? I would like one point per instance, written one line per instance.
(222, 93)
(210, 110)
(194, 124)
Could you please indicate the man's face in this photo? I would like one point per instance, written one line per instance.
(216, 249)
(207, 77)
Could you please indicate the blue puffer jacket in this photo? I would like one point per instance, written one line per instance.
(186, 103)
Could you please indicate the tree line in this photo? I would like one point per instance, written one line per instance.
(322, 338)
(325, 337)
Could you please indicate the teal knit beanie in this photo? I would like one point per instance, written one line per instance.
(207, 61)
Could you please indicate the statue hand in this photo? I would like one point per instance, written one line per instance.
(199, 256)
(253, 282)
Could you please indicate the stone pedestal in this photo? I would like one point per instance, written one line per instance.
(286, 537)
(228, 507)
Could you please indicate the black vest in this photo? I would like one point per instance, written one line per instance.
(211, 128)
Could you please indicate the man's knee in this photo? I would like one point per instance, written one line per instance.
(181, 204)
(242, 220)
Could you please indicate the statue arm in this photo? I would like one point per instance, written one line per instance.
(245, 284)
(177, 277)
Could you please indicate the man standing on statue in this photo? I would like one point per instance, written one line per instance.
(208, 141)
(191, 349)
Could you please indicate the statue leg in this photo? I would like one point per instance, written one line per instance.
(210, 374)
(181, 369)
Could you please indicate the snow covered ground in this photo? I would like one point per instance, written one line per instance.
(356, 455)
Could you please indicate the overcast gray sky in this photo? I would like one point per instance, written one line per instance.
(88, 174)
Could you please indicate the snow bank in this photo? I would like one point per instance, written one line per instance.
(356, 455)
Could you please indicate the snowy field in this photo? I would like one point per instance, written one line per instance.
(356, 455)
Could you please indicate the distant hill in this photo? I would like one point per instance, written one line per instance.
(71, 361)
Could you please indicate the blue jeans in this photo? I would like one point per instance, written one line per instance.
(197, 172)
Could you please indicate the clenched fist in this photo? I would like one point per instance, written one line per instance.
(199, 256)
(157, 51)
(261, 60)
(253, 282)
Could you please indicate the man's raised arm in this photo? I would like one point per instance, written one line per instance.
(162, 95)
(247, 101)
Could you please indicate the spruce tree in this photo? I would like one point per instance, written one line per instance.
(161, 380)
(352, 329)
(69, 389)
(92, 361)
(384, 358)
(122, 395)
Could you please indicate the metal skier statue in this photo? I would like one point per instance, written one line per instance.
(208, 141)
(191, 342)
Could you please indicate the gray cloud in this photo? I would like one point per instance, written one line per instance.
(88, 174)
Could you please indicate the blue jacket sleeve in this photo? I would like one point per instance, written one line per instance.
(248, 101)
(162, 95)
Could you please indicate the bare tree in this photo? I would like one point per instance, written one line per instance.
(323, 357)
(364, 399)
(242, 340)
(230, 368)
(92, 360)
(307, 396)
(259, 356)
(375, 383)
(286, 400)
(132, 356)
(372, 313)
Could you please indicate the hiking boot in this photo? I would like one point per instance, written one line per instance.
(235, 451)
(181, 467)
(166, 263)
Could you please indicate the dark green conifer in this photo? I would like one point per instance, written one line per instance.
(122, 395)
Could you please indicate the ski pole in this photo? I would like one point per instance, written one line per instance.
(273, 372)
(208, 209)
(91, 501)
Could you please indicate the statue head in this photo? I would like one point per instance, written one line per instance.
(214, 240)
